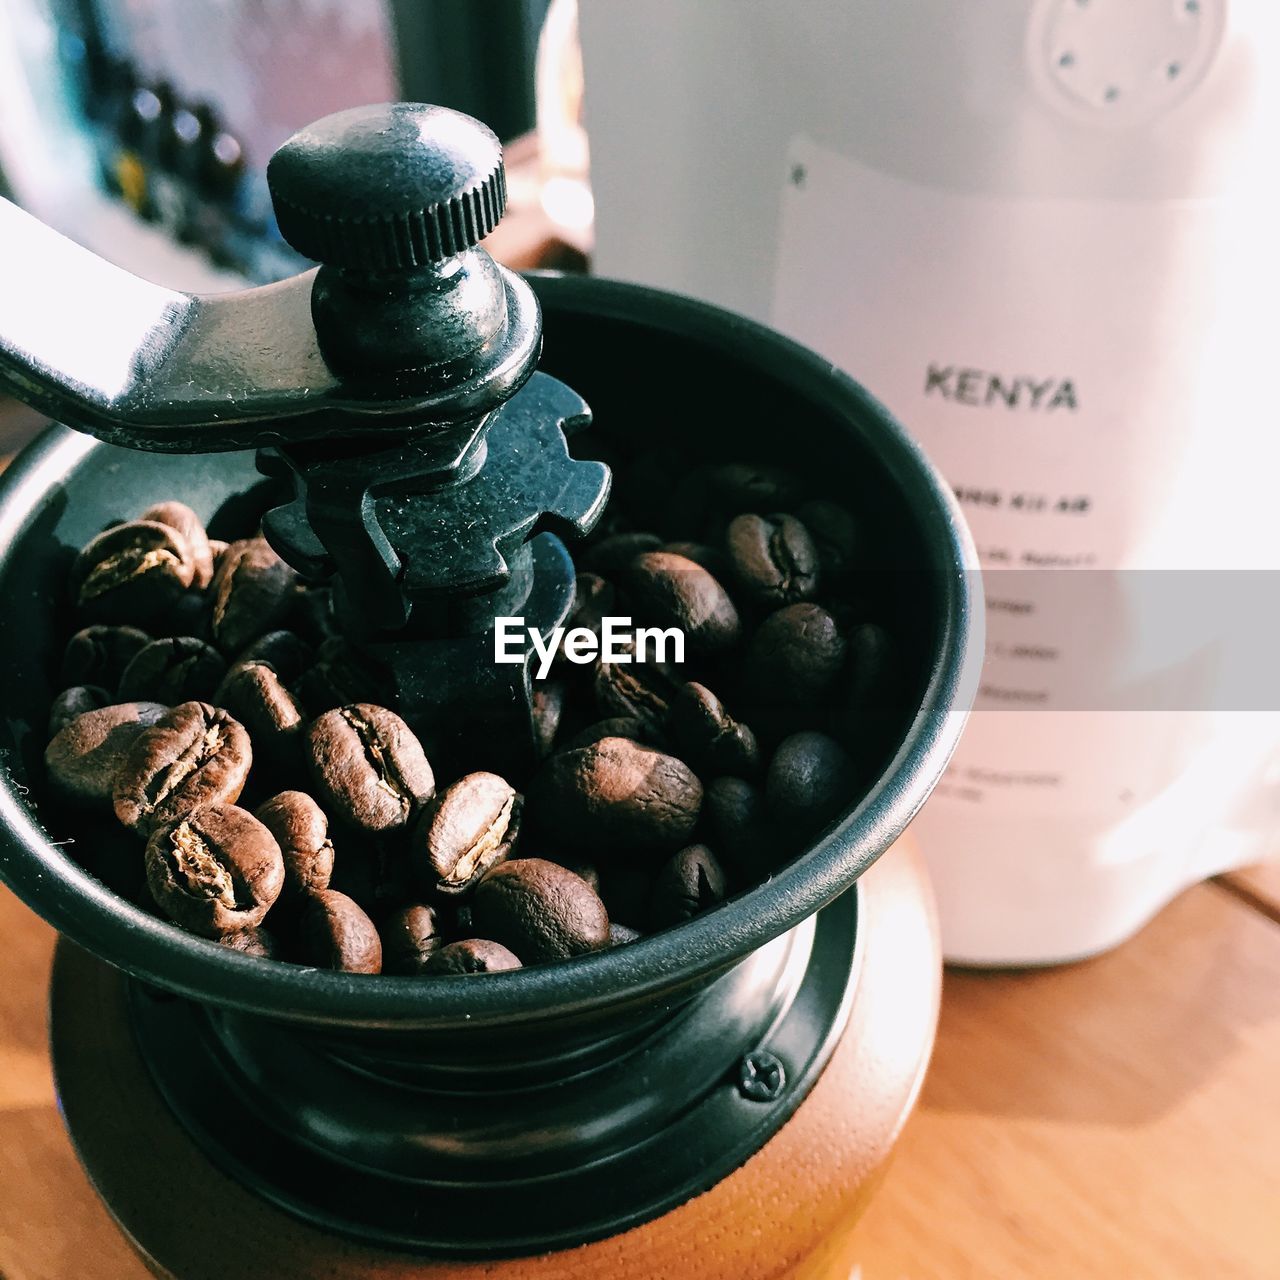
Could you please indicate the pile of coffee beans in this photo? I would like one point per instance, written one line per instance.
(270, 798)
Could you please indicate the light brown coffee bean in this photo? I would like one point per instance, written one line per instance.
(472, 955)
(84, 756)
(467, 830)
(540, 911)
(215, 871)
(194, 755)
(179, 516)
(301, 830)
(617, 795)
(370, 769)
(337, 934)
(133, 573)
(252, 592)
(175, 670)
(410, 937)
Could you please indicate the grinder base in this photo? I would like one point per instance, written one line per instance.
(787, 1210)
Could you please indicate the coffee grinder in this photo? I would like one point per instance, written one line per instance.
(715, 1100)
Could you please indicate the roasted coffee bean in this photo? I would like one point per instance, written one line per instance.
(191, 756)
(835, 535)
(796, 654)
(548, 708)
(370, 769)
(84, 756)
(472, 955)
(616, 794)
(215, 871)
(311, 615)
(133, 573)
(252, 591)
(410, 937)
(774, 561)
(686, 884)
(171, 671)
(301, 830)
(98, 655)
(671, 591)
(540, 911)
(467, 830)
(75, 702)
(253, 694)
(253, 942)
(632, 727)
(621, 934)
(337, 934)
(748, 486)
(634, 691)
(582, 867)
(286, 653)
(708, 736)
(872, 684)
(739, 826)
(809, 781)
(611, 555)
(179, 516)
(712, 559)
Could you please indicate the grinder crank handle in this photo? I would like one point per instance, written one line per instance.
(407, 326)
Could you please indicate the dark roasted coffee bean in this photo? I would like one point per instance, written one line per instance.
(548, 708)
(286, 653)
(410, 937)
(301, 830)
(98, 655)
(133, 573)
(253, 694)
(215, 871)
(172, 671)
(774, 561)
(84, 755)
(540, 911)
(337, 934)
(311, 615)
(748, 486)
(685, 885)
(75, 702)
(738, 824)
(634, 691)
(253, 942)
(191, 756)
(616, 727)
(619, 795)
(835, 535)
(370, 769)
(472, 955)
(708, 736)
(712, 559)
(809, 781)
(872, 682)
(796, 654)
(179, 516)
(670, 591)
(252, 592)
(610, 555)
(594, 598)
(467, 830)
(582, 867)
(621, 934)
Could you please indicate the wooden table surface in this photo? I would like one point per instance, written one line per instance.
(1117, 1118)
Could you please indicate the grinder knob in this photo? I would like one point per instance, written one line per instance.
(388, 187)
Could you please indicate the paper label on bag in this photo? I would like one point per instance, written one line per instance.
(1092, 378)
